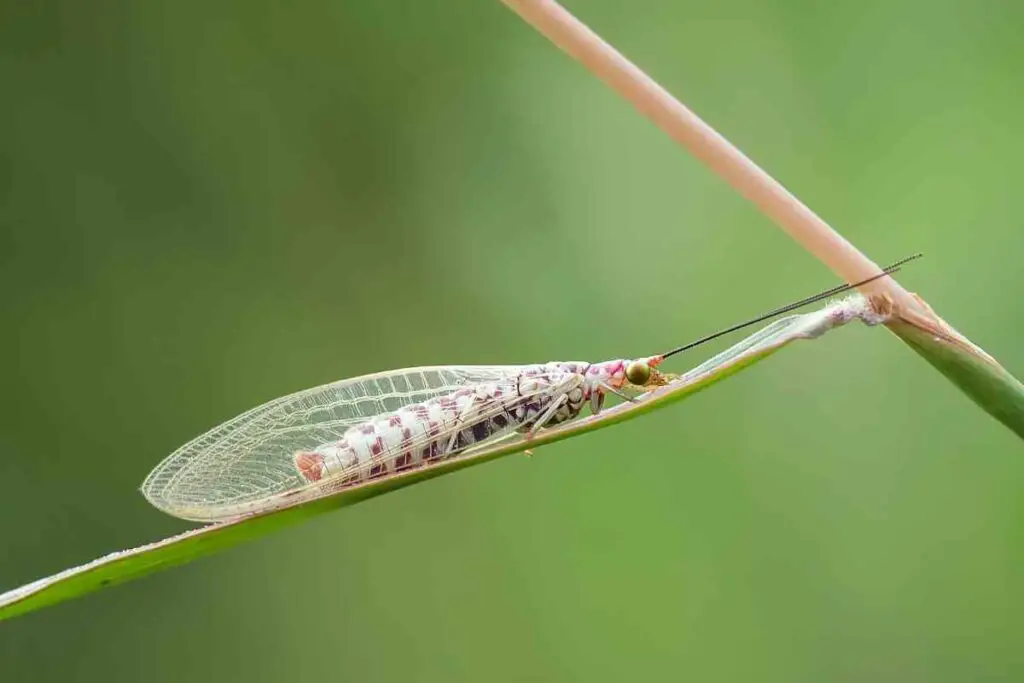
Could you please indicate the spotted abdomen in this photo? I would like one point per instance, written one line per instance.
(425, 432)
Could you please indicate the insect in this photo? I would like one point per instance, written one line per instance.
(316, 441)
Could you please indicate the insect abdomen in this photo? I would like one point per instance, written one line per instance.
(395, 441)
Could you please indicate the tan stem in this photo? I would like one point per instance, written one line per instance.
(686, 128)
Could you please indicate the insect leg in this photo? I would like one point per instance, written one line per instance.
(609, 388)
(466, 412)
(596, 402)
(546, 416)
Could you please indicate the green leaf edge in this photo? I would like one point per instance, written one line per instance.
(985, 382)
(126, 565)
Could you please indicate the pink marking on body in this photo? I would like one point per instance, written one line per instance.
(618, 372)
(367, 429)
(310, 465)
(612, 373)
(377, 446)
(395, 421)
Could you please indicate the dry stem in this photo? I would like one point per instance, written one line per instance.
(749, 179)
(686, 128)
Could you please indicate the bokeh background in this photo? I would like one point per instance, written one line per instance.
(209, 204)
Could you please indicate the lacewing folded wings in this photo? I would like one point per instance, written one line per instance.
(248, 463)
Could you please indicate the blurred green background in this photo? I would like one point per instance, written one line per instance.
(209, 204)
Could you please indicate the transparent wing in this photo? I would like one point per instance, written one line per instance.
(466, 430)
(246, 463)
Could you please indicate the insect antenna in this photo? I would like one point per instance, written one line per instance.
(888, 270)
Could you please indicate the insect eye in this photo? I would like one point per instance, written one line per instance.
(638, 373)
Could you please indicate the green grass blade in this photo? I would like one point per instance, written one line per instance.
(130, 564)
(985, 381)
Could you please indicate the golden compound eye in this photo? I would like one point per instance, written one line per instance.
(638, 373)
